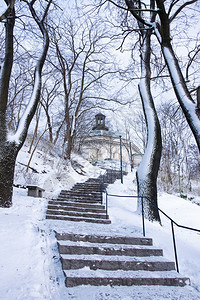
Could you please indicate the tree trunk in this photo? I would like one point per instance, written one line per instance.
(69, 147)
(11, 144)
(147, 172)
(188, 105)
(8, 154)
(184, 98)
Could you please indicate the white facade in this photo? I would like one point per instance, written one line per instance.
(102, 144)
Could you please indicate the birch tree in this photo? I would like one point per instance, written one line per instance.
(11, 142)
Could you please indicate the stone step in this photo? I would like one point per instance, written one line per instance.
(80, 200)
(84, 190)
(69, 203)
(104, 239)
(67, 248)
(78, 209)
(76, 214)
(84, 193)
(123, 278)
(93, 180)
(121, 263)
(78, 219)
(80, 195)
(88, 185)
(84, 185)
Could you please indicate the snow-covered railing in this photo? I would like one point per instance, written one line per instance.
(143, 219)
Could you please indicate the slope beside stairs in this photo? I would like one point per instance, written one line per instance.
(105, 260)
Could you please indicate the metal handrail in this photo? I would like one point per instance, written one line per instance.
(143, 218)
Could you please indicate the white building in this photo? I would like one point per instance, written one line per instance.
(102, 144)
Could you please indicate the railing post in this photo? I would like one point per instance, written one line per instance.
(106, 205)
(131, 157)
(143, 225)
(174, 243)
(121, 167)
(101, 188)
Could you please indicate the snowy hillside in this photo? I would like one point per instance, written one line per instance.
(29, 261)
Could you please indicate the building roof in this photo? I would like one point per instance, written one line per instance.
(100, 115)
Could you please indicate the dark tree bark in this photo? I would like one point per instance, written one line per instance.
(8, 154)
(10, 144)
(147, 172)
(8, 151)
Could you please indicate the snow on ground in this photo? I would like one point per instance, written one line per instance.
(30, 268)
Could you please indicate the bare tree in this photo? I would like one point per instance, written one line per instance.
(177, 138)
(50, 95)
(11, 143)
(82, 64)
(147, 172)
(166, 14)
(190, 107)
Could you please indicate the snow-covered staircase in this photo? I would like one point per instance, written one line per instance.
(83, 202)
(114, 260)
(105, 259)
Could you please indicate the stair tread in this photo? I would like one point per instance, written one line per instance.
(74, 208)
(84, 219)
(49, 211)
(81, 200)
(86, 272)
(75, 217)
(117, 264)
(83, 194)
(97, 257)
(114, 239)
(106, 245)
(76, 204)
(106, 250)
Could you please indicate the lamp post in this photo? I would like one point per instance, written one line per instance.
(121, 158)
(131, 157)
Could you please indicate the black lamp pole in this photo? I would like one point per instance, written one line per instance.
(121, 158)
(131, 157)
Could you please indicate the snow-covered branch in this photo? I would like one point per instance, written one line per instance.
(29, 112)
(181, 8)
(8, 10)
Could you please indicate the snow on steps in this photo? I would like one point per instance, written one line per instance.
(81, 203)
(106, 260)
(78, 219)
